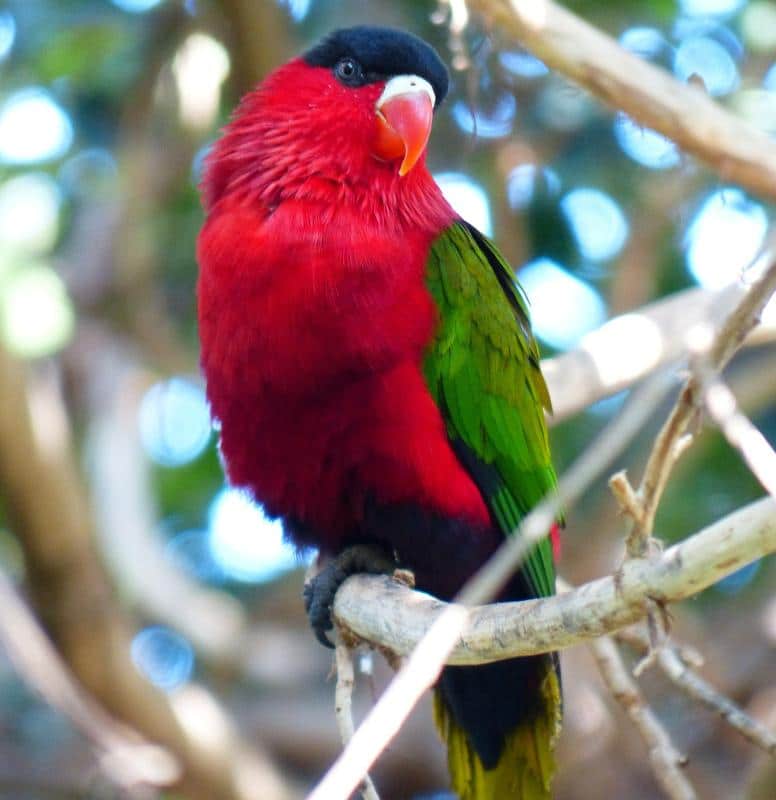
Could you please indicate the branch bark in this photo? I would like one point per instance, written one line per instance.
(393, 617)
(682, 112)
(656, 335)
(673, 662)
(667, 762)
(46, 504)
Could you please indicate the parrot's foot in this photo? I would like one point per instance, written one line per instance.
(319, 591)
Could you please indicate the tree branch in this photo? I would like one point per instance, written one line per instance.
(600, 366)
(684, 113)
(343, 706)
(673, 440)
(741, 433)
(391, 616)
(666, 760)
(672, 662)
(47, 509)
(124, 758)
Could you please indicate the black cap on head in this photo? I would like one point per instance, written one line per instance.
(377, 55)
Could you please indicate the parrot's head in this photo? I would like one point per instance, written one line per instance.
(351, 114)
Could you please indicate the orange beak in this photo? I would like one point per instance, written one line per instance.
(403, 128)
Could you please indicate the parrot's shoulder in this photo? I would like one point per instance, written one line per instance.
(484, 310)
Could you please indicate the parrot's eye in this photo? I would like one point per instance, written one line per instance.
(349, 72)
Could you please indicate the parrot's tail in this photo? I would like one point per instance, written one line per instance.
(500, 722)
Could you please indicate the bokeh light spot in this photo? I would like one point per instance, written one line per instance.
(91, 174)
(7, 33)
(707, 59)
(563, 307)
(738, 580)
(717, 8)
(522, 64)
(136, 6)
(769, 81)
(174, 422)
(645, 146)
(624, 349)
(758, 26)
(563, 106)
(246, 544)
(467, 198)
(597, 222)
(33, 127)
(35, 310)
(526, 181)
(164, 657)
(758, 107)
(200, 67)
(29, 213)
(297, 9)
(724, 237)
(646, 42)
(190, 551)
(493, 117)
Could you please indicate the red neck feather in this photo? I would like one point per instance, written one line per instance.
(302, 136)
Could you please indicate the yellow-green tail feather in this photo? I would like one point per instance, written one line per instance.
(527, 763)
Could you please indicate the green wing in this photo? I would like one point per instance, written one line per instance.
(483, 371)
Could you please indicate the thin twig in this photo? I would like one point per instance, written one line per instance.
(672, 440)
(693, 685)
(343, 707)
(684, 113)
(666, 760)
(741, 433)
(672, 660)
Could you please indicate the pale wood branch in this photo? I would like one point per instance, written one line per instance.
(386, 614)
(124, 757)
(673, 662)
(47, 508)
(666, 761)
(742, 434)
(684, 113)
(672, 440)
(343, 706)
(600, 366)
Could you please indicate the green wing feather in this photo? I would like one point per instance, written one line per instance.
(483, 371)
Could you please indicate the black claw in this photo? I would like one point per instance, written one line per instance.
(319, 592)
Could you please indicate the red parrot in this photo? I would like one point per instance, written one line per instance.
(369, 357)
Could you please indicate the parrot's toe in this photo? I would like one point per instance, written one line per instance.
(319, 591)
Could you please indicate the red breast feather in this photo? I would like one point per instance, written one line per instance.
(313, 311)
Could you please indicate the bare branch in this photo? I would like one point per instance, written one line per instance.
(741, 433)
(684, 113)
(693, 685)
(672, 439)
(666, 760)
(380, 611)
(47, 508)
(420, 671)
(673, 662)
(124, 757)
(343, 707)
(656, 336)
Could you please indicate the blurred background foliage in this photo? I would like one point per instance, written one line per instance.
(107, 108)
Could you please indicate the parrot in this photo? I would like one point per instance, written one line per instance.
(370, 365)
